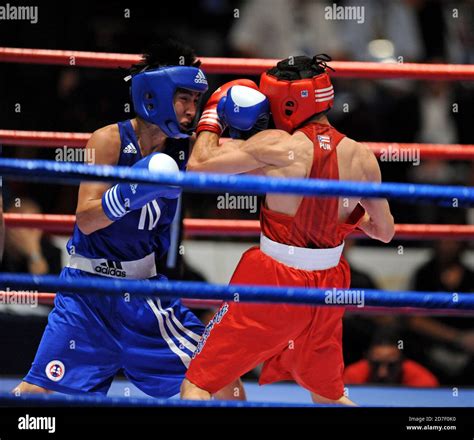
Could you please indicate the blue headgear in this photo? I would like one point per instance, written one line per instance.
(153, 92)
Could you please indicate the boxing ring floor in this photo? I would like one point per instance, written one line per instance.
(291, 393)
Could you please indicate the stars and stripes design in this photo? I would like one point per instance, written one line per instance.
(324, 142)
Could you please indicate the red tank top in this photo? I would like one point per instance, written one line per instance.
(315, 224)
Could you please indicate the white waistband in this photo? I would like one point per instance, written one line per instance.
(137, 269)
(301, 258)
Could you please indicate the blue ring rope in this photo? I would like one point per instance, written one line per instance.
(69, 172)
(7, 399)
(199, 290)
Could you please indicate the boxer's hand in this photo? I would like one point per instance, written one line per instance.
(245, 110)
(125, 197)
(210, 120)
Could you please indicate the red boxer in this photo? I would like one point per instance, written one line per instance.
(301, 243)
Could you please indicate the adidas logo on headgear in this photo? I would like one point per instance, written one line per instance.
(130, 148)
(200, 78)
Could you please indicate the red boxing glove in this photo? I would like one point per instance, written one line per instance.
(210, 120)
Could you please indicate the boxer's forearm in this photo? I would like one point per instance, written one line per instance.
(207, 147)
(379, 227)
(91, 217)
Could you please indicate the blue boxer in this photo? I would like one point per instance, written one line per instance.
(92, 337)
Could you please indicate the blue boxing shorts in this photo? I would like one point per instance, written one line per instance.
(91, 337)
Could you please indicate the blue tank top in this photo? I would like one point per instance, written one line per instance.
(139, 232)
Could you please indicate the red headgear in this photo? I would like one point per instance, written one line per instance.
(292, 102)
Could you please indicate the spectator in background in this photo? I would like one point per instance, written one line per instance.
(457, 35)
(449, 341)
(437, 125)
(358, 327)
(385, 364)
(278, 28)
(445, 271)
(28, 249)
(445, 113)
(395, 21)
(390, 32)
(359, 278)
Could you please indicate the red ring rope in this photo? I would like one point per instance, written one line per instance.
(244, 66)
(77, 140)
(63, 224)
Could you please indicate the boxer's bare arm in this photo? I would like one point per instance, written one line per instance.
(378, 222)
(267, 148)
(205, 147)
(90, 216)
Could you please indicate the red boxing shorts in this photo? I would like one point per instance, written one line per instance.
(295, 342)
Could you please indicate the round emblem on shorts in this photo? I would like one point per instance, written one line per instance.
(55, 371)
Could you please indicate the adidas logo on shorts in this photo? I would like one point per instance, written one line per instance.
(111, 268)
(200, 78)
(130, 148)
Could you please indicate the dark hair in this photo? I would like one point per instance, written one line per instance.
(386, 336)
(300, 67)
(169, 52)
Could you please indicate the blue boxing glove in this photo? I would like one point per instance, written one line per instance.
(245, 110)
(125, 197)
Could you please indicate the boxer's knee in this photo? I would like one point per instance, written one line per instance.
(29, 388)
(234, 391)
(343, 400)
(189, 391)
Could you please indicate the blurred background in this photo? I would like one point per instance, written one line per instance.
(60, 98)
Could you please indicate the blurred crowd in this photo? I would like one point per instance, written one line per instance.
(415, 350)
